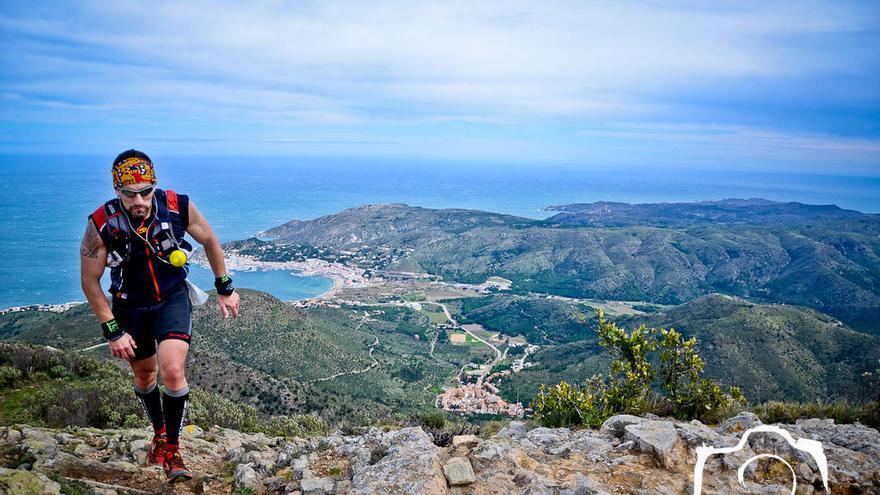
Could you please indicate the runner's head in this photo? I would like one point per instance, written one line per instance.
(134, 179)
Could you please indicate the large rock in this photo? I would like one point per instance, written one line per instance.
(77, 467)
(14, 481)
(465, 441)
(660, 439)
(696, 434)
(741, 422)
(410, 466)
(316, 486)
(245, 478)
(458, 471)
(615, 424)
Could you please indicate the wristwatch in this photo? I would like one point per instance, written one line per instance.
(112, 330)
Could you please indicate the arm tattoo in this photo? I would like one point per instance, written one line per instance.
(91, 242)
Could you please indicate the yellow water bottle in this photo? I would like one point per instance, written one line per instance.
(177, 258)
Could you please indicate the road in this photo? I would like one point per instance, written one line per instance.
(499, 356)
(357, 371)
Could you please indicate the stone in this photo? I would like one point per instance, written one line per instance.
(274, 483)
(411, 465)
(245, 478)
(459, 472)
(13, 436)
(696, 434)
(265, 467)
(234, 454)
(300, 463)
(64, 438)
(536, 461)
(15, 481)
(615, 424)
(78, 467)
(660, 439)
(624, 446)
(316, 486)
(585, 486)
(191, 431)
(252, 457)
(741, 422)
(549, 439)
(139, 450)
(465, 441)
(513, 429)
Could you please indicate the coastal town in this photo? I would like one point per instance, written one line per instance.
(358, 271)
(476, 399)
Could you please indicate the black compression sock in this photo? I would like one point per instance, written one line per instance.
(152, 404)
(174, 402)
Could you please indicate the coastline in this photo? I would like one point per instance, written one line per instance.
(338, 282)
(52, 308)
(341, 275)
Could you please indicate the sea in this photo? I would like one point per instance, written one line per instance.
(45, 199)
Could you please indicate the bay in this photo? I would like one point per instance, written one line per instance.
(44, 201)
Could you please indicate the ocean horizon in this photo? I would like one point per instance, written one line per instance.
(45, 199)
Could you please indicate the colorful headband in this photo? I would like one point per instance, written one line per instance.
(133, 171)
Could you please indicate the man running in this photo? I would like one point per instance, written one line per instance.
(140, 235)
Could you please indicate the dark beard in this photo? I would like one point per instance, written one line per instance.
(132, 215)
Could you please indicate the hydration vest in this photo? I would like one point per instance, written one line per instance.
(139, 267)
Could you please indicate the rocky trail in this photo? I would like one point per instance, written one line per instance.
(628, 455)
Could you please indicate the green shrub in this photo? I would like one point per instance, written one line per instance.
(433, 419)
(104, 403)
(300, 425)
(628, 386)
(9, 376)
(57, 371)
(208, 409)
(564, 404)
(692, 396)
(629, 383)
(840, 412)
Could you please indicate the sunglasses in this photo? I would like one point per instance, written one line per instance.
(145, 192)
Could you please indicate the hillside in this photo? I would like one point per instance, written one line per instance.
(776, 350)
(278, 358)
(392, 223)
(773, 352)
(816, 256)
(727, 212)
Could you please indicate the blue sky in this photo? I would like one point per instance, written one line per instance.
(790, 86)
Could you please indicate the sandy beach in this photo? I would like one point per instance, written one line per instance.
(341, 275)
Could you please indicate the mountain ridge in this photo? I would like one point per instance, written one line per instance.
(830, 263)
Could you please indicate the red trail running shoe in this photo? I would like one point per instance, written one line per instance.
(174, 467)
(157, 449)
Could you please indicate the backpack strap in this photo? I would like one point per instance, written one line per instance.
(107, 220)
(99, 218)
(171, 200)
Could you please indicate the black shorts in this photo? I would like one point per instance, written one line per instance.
(150, 324)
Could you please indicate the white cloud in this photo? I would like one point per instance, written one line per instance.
(490, 58)
(520, 74)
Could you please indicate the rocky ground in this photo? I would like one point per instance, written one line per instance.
(627, 455)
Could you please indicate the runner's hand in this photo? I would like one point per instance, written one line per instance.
(123, 347)
(228, 304)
